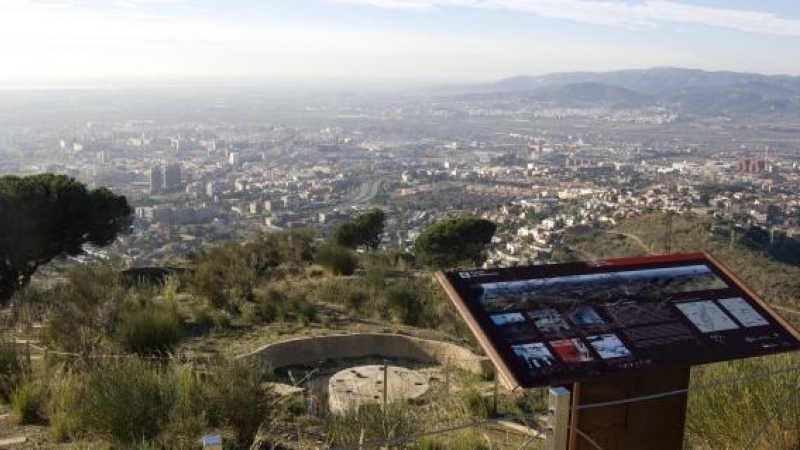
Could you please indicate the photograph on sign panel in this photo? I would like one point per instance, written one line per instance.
(514, 327)
(536, 356)
(571, 351)
(644, 284)
(707, 316)
(743, 312)
(507, 319)
(584, 316)
(608, 346)
(632, 313)
(548, 321)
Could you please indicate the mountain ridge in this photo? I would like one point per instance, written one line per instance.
(692, 92)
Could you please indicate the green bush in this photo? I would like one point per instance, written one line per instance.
(188, 417)
(154, 330)
(404, 304)
(476, 403)
(277, 306)
(133, 403)
(268, 306)
(27, 404)
(13, 368)
(372, 423)
(62, 389)
(470, 441)
(355, 299)
(125, 401)
(238, 400)
(296, 405)
(84, 309)
(339, 260)
(728, 416)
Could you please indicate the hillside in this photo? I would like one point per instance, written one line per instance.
(777, 282)
(175, 343)
(686, 91)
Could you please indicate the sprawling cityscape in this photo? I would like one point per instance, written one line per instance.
(535, 169)
(399, 224)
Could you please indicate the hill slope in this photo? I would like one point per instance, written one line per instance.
(778, 283)
(687, 91)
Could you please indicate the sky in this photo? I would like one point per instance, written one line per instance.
(96, 42)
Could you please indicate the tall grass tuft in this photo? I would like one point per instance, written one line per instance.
(239, 400)
(465, 441)
(188, 417)
(126, 401)
(153, 330)
(372, 423)
(62, 388)
(729, 416)
(13, 369)
(27, 403)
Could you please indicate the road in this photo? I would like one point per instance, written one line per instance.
(365, 194)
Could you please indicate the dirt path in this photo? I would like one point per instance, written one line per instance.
(635, 238)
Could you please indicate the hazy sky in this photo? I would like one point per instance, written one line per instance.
(96, 41)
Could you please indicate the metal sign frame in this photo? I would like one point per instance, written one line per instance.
(564, 323)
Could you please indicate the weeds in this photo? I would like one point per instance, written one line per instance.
(153, 330)
(727, 416)
(27, 403)
(13, 369)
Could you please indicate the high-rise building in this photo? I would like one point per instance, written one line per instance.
(156, 179)
(750, 165)
(172, 177)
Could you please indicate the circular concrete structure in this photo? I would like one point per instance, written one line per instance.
(314, 350)
(364, 385)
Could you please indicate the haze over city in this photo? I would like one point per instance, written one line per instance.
(353, 224)
(181, 42)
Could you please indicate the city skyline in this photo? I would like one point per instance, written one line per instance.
(102, 43)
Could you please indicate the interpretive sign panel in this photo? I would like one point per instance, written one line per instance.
(562, 323)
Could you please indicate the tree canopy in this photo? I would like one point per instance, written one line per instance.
(455, 241)
(365, 230)
(45, 216)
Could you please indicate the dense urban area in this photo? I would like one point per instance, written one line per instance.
(294, 229)
(204, 167)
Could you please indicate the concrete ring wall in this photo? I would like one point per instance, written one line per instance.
(312, 350)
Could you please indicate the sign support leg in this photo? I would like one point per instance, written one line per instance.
(558, 405)
(656, 424)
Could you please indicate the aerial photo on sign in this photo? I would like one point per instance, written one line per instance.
(556, 324)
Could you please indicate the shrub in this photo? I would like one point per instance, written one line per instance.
(354, 299)
(187, 418)
(277, 306)
(375, 278)
(222, 276)
(84, 309)
(126, 401)
(155, 330)
(470, 441)
(296, 405)
(371, 423)
(63, 392)
(404, 305)
(729, 416)
(13, 368)
(27, 403)
(238, 400)
(267, 308)
(476, 404)
(339, 260)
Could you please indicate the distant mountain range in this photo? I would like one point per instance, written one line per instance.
(687, 91)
